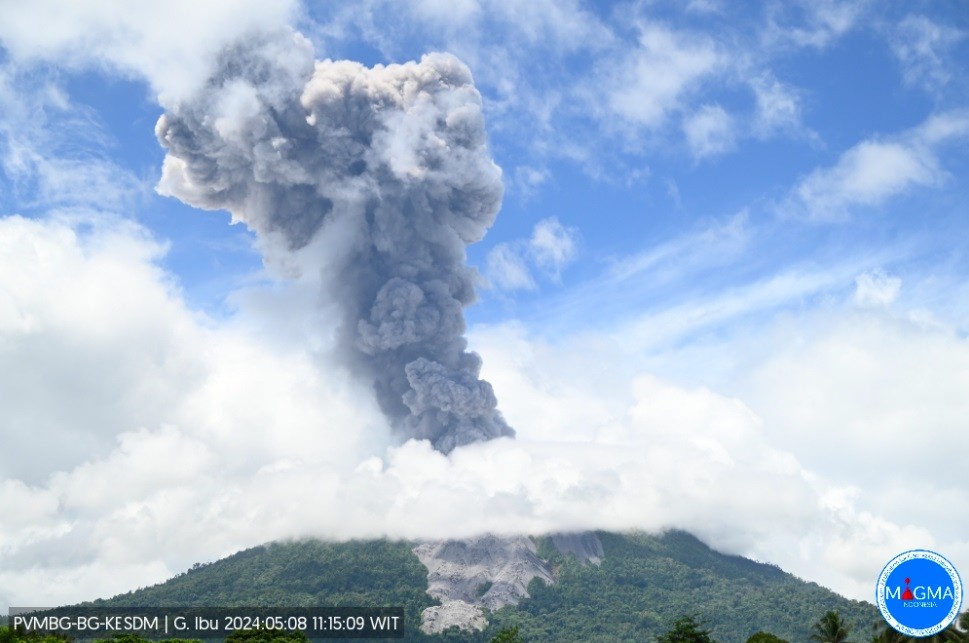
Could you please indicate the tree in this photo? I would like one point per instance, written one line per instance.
(955, 633)
(685, 630)
(266, 636)
(765, 637)
(508, 635)
(21, 635)
(831, 629)
(123, 638)
(887, 634)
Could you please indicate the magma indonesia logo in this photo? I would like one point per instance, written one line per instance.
(919, 593)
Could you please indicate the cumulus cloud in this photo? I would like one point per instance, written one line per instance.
(872, 402)
(875, 170)
(168, 44)
(121, 405)
(216, 437)
(227, 440)
(887, 381)
(845, 397)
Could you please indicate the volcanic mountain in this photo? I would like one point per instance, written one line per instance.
(566, 587)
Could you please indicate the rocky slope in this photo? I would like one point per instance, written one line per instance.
(489, 572)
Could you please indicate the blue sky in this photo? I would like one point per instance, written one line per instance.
(731, 238)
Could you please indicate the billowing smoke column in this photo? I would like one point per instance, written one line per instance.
(393, 160)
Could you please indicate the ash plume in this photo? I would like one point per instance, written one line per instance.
(389, 164)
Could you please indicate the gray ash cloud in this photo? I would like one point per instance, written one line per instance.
(389, 167)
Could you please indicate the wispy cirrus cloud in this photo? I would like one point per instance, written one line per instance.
(812, 23)
(779, 106)
(923, 48)
(709, 131)
(53, 151)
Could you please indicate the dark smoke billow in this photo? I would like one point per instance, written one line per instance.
(392, 160)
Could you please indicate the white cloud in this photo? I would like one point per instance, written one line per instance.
(867, 174)
(506, 269)
(54, 303)
(875, 288)
(705, 6)
(553, 246)
(873, 171)
(165, 43)
(614, 71)
(228, 440)
(890, 392)
(691, 253)
(743, 305)
(214, 437)
(654, 78)
(125, 414)
(52, 150)
(778, 106)
(875, 403)
(709, 131)
(564, 24)
(853, 412)
(454, 15)
(923, 49)
(529, 179)
(550, 249)
(556, 23)
(813, 23)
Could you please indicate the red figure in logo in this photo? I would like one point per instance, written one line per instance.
(907, 595)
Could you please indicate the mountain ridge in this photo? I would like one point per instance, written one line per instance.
(640, 585)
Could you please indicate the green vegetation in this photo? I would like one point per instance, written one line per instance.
(831, 629)
(643, 585)
(646, 582)
(266, 636)
(508, 635)
(11, 635)
(765, 637)
(483, 588)
(958, 632)
(300, 574)
(8, 635)
(685, 630)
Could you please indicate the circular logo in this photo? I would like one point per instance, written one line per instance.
(919, 593)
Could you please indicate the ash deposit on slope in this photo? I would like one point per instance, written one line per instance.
(385, 171)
